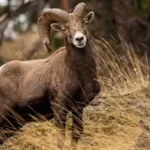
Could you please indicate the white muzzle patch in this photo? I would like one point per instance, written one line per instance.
(79, 40)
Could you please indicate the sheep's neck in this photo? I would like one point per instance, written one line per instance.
(80, 58)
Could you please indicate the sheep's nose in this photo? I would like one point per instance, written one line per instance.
(79, 39)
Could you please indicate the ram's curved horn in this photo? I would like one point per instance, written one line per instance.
(44, 24)
(80, 9)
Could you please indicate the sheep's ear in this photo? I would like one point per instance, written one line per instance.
(58, 27)
(89, 17)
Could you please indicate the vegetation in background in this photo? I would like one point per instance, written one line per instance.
(141, 8)
(112, 18)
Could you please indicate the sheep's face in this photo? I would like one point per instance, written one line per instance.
(75, 29)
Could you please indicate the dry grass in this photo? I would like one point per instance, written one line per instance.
(22, 46)
(112, 124)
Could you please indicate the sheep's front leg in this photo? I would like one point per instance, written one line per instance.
(60, 114)
(77, 127)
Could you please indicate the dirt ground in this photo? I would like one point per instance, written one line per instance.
(113, 124)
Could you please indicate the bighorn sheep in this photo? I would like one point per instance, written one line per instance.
(65, 81)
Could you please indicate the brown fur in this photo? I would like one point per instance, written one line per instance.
(65, 81)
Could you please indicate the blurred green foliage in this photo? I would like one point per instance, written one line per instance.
(141, 8)
(3, 10)
(58, 42)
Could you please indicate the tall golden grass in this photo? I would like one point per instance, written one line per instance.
(121, 70)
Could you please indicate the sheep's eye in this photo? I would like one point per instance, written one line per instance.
(63, 28)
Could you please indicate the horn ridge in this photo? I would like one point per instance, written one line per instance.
(80, 9)
(48, 17)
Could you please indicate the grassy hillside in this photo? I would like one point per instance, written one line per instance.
(113, 121)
